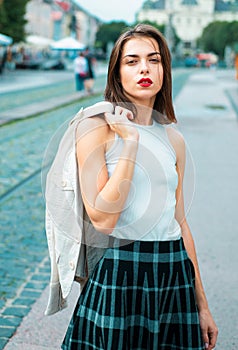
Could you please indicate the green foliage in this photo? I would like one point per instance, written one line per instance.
(217, 35)
(12, 19)
(109, 32)
(3, 18)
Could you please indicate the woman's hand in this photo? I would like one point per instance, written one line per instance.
(209, 329)
(119, 123)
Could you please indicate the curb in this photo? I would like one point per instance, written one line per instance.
(232, 96)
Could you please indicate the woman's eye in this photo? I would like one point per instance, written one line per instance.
(132, 62)
(155, 60)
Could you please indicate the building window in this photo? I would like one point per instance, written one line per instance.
(187, 44)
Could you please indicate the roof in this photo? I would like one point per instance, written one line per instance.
(221, 5)
(189, 2)
(87, 13)
(154, 4)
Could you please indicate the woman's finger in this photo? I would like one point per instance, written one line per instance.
(124, 112)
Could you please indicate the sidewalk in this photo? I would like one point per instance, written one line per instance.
(207, 105)
(38, 108)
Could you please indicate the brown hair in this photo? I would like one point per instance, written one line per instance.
(114, 91)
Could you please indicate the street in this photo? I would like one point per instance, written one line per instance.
(210, 128)
(207, 116)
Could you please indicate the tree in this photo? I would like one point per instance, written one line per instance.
(3, 17)
(109, 32)
(12, 21)
(217, 35)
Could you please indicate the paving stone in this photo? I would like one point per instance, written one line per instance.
(24, 301)
(7, 332)
(40, 278)
(3, 342)
(16, 311)
(10, 321)
(38, 285)
(30, 294)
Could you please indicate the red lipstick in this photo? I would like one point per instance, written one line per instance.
(145, 82)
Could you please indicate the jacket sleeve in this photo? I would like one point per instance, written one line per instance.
(56, 302)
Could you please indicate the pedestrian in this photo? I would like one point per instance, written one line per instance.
(236, 65)
(89, 80)
(146, 291)
(10, 64)
(3, 61)
(80, 71)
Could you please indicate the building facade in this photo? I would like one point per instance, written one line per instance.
(188, 17)
(56, 19)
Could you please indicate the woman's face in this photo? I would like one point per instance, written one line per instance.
(141, 70)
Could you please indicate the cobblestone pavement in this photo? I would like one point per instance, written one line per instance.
(24, 263)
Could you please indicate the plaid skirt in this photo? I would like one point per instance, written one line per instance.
(140, 296)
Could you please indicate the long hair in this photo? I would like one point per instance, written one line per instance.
(114, 92)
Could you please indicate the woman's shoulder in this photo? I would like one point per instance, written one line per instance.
(94, 126)
(176, 139)
(175, 135)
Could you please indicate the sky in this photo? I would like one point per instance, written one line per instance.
(109, 10)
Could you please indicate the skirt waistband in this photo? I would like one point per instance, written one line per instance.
(147, 246)
(148, 251)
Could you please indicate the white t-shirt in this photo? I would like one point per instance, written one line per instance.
(80, 65)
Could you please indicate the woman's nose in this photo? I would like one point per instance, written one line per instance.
(144, 68)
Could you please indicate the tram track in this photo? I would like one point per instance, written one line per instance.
(24, 145)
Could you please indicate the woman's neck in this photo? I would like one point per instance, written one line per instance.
(144, 115)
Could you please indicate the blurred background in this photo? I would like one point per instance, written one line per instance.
(39, 41)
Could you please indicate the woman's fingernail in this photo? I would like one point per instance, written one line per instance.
(206, 345)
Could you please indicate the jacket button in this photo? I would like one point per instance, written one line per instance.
(64, 183)
(72, 265)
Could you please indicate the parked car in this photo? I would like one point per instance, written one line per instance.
(53, 63)
(28, 63)
(207, 59)
(191, 61)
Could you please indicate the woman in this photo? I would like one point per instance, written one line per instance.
(146, 291)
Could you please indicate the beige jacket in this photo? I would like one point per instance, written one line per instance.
(74, 245)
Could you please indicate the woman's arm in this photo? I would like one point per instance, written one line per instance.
(208, 326)
(104, 197)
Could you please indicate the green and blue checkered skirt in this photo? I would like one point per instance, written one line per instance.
(140, 296)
